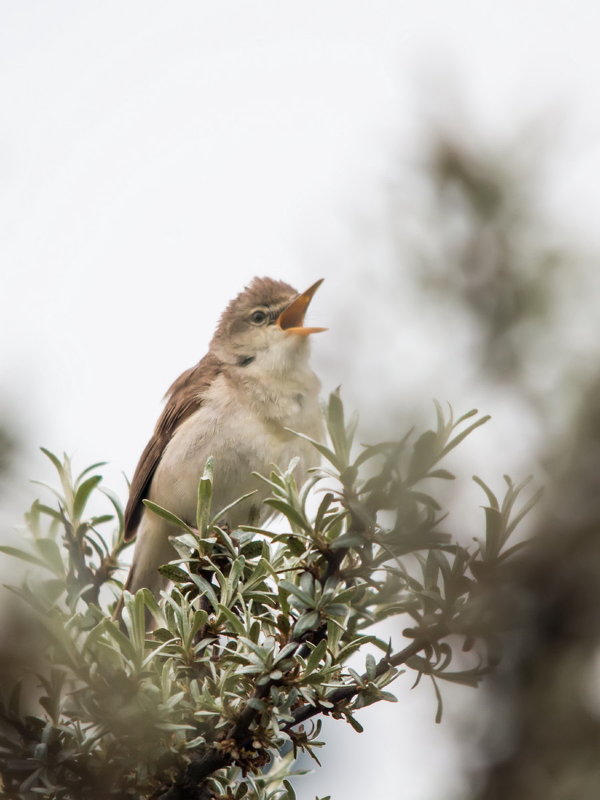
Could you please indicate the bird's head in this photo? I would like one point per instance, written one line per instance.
(263, 327)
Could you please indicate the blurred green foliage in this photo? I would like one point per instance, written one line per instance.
(497, 263)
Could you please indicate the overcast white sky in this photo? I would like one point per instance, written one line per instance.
(155, 156)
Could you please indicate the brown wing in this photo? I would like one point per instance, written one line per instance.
(183, 398)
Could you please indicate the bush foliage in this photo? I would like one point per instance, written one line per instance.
(262, 632)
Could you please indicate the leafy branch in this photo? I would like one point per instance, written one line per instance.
(261, 632)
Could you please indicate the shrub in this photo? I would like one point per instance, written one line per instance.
(260, 634)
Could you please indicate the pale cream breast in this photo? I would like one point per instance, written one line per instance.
(244, 431)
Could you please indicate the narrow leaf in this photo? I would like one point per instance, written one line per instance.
(168, 516)
(83, 493)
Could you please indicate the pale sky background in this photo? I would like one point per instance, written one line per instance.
(154, 157)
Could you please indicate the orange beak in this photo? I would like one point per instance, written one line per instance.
(291, 319)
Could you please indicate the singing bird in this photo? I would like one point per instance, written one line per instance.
(234, 405)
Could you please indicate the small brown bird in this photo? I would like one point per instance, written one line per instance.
(234, 405)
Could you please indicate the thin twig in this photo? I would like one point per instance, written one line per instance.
(346, 692)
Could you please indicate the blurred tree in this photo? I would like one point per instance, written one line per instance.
(8, 451)
(7, 446)
(498, 260)
(547, 693)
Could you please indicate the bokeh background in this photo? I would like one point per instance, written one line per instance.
(437, 163)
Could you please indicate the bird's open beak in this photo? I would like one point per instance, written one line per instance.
(292, 318)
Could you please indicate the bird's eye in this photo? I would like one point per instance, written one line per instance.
(258, 317)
